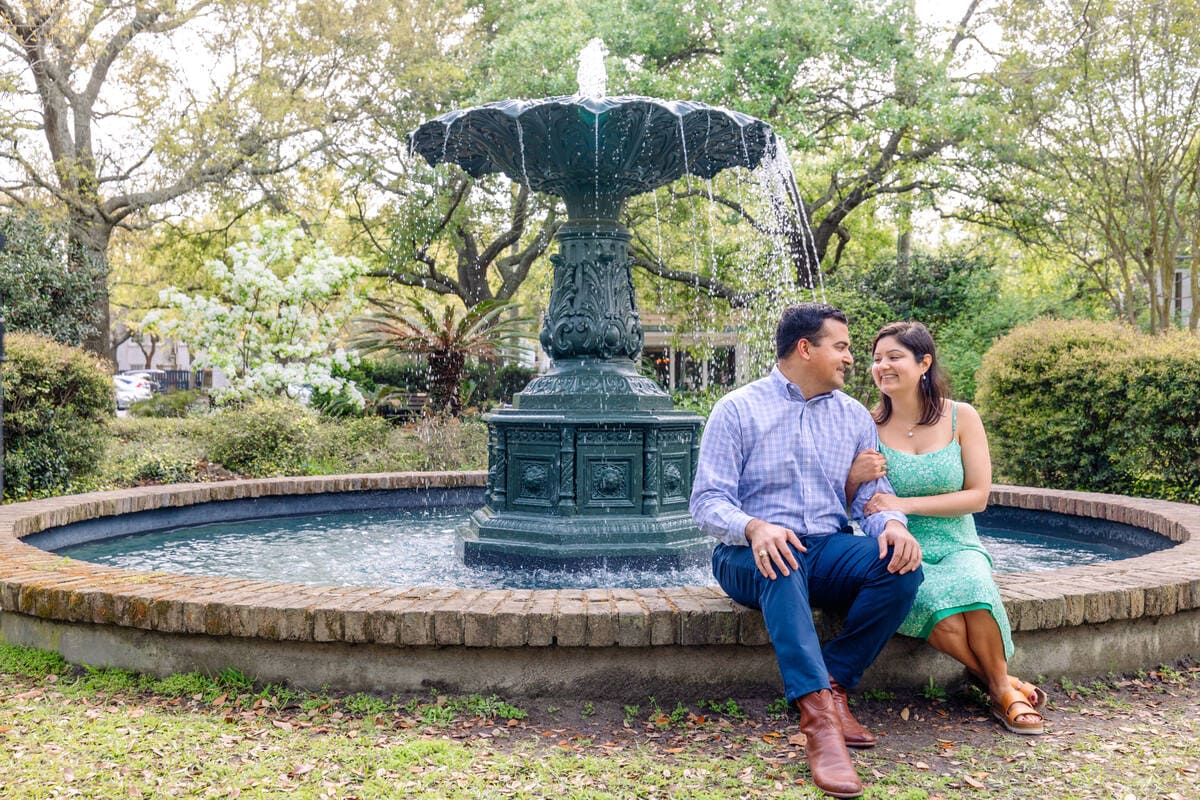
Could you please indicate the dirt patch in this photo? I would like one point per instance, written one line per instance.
(1117, 737)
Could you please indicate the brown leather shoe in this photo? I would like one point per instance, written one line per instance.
(853, 731)
(828, 759)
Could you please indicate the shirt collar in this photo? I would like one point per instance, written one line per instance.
(790, 390)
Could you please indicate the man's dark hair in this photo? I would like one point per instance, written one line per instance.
(803, 321)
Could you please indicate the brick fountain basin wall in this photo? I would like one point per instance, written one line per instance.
(688, 641)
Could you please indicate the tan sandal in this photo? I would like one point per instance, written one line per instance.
(1013, 704)
(1030, 690)
(1033, 694)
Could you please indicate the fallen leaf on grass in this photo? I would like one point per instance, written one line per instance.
(797, 740)
(972, 782)
(921, 765)
(904, 713)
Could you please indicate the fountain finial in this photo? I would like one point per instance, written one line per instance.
(592, 76)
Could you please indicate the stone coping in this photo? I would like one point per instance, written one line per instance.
(40, 584)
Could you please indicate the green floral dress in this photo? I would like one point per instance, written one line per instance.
(958, 571)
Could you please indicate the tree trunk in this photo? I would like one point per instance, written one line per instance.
(445, 374)
(87, 242)
(904, 235)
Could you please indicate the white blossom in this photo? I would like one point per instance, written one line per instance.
(273, 323)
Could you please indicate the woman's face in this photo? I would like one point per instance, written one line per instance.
(895, 368)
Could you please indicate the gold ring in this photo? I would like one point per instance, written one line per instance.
(762, 553)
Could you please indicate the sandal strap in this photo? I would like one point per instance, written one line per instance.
(1009, 701)
(1032, 712)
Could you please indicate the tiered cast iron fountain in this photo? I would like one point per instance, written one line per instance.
(591, 464)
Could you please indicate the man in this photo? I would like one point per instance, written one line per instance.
(770, 485)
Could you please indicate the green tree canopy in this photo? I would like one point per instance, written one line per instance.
(874, 105)
(111, 123)
(1108, 175)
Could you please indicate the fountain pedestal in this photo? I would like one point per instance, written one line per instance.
(591, 464)
(578, 489)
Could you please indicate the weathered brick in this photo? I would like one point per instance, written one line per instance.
(601, 618)
(633, 622)
(751, 629)
(570, 626)
(384, 622)
(540, 619)
(479, 617)
(510, 620)
(1160, 599)
(695, 618)
(357, 623)
(663, 616)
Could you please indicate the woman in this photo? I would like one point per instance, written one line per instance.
(935, 453)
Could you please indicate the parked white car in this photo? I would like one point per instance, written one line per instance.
(154, 378)
(130, 389)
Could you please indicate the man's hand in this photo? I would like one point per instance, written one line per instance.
(906, 552)
(769, 543)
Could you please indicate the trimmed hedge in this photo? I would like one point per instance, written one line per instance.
(58, 401)
(1094, 406)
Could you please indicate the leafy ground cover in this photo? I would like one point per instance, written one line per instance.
(72, 732)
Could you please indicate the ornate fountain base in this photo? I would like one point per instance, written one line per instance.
(590, 467)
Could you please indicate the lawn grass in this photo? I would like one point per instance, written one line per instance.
(68, 731)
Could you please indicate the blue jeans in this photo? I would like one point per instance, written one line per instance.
(839, 572)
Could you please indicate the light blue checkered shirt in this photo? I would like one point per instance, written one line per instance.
(769, 454)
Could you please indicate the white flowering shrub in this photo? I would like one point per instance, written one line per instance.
(273, 325)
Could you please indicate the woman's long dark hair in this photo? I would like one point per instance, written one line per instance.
(933, 388)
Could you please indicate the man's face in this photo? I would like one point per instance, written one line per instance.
(829, 356)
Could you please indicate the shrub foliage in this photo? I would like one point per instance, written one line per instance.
(44, 291)
(1094, 406)
(264, 438)
(58, 401)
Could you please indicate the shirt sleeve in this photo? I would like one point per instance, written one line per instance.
(874, 524)
(715, 505)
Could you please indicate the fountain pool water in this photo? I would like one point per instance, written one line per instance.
(415, 547)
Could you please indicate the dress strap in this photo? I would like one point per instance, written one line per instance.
(953, 416)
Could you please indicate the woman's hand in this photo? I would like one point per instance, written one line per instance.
(869, 465)
(883, 502)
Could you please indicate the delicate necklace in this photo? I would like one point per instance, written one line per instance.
(912, 428)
